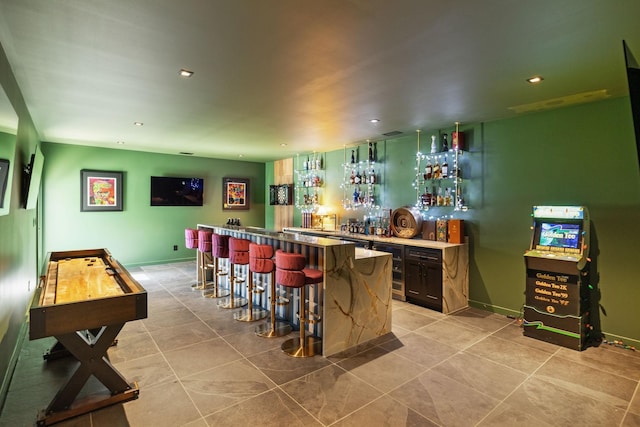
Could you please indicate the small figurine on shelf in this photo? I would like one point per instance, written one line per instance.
(434, 148)
(445, 145)
(353, 156)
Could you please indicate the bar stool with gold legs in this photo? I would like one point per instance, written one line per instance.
(204, 248)
(238, 256)
(291, 271)
(191, 242)
(219, 251)
(261, 261)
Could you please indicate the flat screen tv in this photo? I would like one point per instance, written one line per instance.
(559, 235)
(31, 177)
(172, 191)
(633, 80)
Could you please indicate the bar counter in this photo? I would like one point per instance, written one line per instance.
(354, 300)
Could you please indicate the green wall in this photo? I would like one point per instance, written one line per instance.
(580, 155)
(140, 234)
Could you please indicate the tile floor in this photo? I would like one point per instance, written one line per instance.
(196, 367)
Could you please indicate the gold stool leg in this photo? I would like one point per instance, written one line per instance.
(202, 285)
(274, 328)
(250, 314)
(232, 301)
(304, 346)
(217, 292)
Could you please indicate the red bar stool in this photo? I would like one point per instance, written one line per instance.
(259, 262)
(204, 247)
(191, 242)
(219, 251)
(291, 271)
(238, 255)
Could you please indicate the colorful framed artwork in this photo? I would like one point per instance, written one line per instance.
(100, 190)
(235, 194)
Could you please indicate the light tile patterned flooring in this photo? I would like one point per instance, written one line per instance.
(196, 366)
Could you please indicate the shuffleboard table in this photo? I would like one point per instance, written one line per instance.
(84, 299)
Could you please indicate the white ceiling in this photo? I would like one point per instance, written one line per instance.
(306, 73)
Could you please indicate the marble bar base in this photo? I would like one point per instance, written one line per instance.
(455, 278)
(357, 297)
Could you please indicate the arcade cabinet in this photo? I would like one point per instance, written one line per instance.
(557, 288)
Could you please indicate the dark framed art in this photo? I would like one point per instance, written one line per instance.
(235, 194)
(4, 177)
(100, 190)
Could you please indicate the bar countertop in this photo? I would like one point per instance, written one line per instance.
(392, 240)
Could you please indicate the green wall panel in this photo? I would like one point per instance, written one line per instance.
(140, 234)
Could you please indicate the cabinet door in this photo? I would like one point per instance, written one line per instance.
(432, 279)
(413, 279)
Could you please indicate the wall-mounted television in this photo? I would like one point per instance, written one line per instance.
(176, 191)
(31, 177)
(633, 80)
(4, 178)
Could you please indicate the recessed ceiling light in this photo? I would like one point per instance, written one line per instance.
(535, 79)
(185, 73)
(283, 145)
(240, 155)
(375, 120)
(138, 123)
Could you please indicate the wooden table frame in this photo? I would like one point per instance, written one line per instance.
(86, 329)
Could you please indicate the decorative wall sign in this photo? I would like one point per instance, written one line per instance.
(235, 194)
(100, 190)
(281, 194)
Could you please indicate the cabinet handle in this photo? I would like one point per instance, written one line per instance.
(413, 292)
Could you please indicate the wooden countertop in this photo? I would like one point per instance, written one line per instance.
(389, 240)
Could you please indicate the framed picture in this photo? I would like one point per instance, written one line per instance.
(100, 190)
(4, 177)
(235, 194)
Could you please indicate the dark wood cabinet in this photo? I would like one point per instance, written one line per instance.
(423, 277)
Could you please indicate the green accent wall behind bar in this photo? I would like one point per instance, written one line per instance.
(140, 234)
(580, 155)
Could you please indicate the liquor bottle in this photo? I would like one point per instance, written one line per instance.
(445, 145)
(372, 177)
(353, 157)
(305, 164)
(448, 201)
(428, 170)
(319, 162)
(352, 178)
(434, 149)
(358, 179)
(440, 199)
(356, 195)
(437, 173)
(445, 168)
(457, 140)
(375, 151)
(371, 152)
(312, 162)
(424, 198)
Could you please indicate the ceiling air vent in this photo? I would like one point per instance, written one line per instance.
(392, 133)
(186, 153)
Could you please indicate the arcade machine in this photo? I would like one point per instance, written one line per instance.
(557, 290)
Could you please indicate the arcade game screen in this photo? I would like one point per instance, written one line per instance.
(559, 236)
